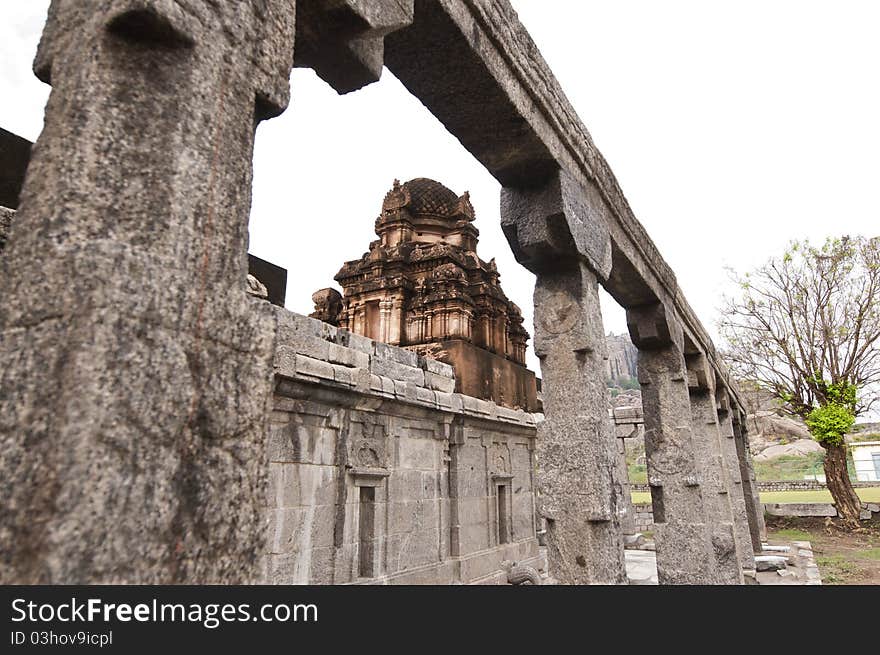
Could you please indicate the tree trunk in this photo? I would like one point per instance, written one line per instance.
(837, 479)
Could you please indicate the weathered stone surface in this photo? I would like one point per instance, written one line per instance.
(579, 488)
(799, 447)
(769, 562)
(256, 288)
(625, 508)
(560, 218)
(685, 550)
(736, 491)
(754, 513)
(6, 216)
(342, 40)
(716, 493)
(328, 305)
(800, 509)
(433, 511)
(136, 372)
(559, 232)
(717, 481)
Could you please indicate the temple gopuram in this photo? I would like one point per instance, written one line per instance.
(422, 286)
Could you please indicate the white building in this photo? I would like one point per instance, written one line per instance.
(866, 458)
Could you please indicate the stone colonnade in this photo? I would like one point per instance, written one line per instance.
(137, 374)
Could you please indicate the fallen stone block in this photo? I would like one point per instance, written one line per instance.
(800, 509)
(770, 562)
(634, 541)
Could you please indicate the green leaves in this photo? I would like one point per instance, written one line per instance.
(829, 423)
(831, 420)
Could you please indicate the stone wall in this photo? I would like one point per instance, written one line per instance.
(778, 485)
(379, 474)
(802, 485)
(869, 512)
(644, 517)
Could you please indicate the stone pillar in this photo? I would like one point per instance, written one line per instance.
(627, 513)
(579, 491)
(716, 481)
(684, 546)
(456, 441)
(397, 329)
(385, 327)
(754, 508)
(136, 373)
(737, 497)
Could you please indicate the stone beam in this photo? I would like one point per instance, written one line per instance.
(716, 481)
(344, 40)
(555, 234)
(136, 372)
(475, 67)
(685, 552)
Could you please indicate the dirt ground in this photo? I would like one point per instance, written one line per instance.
(844, 557)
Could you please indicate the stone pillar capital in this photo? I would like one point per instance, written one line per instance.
(722, 400)
(558, 220)
(654, 326)
(701, 375)
(344, 40)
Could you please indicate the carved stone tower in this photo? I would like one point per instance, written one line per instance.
(422, 286)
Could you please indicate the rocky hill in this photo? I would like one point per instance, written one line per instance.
(622, 358)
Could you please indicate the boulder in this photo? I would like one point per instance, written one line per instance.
(774, 427)
(799, 448)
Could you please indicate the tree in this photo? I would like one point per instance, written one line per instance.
(806, 327)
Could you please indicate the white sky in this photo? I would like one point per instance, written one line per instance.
(732, 128)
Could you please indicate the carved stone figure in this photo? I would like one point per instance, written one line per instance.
(328, 305)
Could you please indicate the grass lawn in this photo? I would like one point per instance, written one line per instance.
(868, 495)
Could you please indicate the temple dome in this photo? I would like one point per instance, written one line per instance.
(430, 197)
(426, 197)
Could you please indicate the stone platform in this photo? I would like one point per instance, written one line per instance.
(799, 569)
(641, 566)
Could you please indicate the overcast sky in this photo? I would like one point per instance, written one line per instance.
(732, 128)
